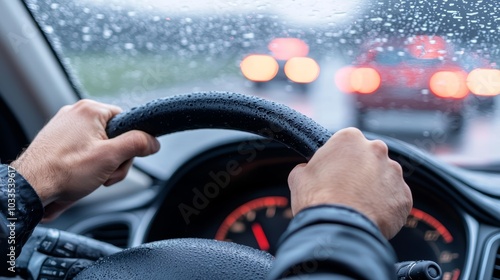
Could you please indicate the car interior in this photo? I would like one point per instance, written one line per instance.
(219, 175)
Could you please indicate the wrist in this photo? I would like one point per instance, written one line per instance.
(41, 180)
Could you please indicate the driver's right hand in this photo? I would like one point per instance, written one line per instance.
(352, 171)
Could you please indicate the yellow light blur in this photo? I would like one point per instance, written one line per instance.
(365, 80)
(302, 70)
(449, 84)
(259, 67)
(484, 82)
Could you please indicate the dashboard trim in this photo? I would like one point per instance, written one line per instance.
(140, 234)
(89, 224)
(472, 239)
(488, 252)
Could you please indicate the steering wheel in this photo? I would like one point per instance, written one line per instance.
(201, 258)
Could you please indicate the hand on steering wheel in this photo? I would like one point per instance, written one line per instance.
(204, 110)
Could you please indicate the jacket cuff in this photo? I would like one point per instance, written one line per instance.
(20, 211)
(333, 241)
(331, 213)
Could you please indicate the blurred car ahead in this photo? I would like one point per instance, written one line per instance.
(286, 59)
(412, 73)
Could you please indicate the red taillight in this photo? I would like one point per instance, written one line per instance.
(449, 84)
(286, 48)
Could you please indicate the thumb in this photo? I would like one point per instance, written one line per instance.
(133, 143)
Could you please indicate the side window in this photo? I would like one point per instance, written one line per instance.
(12, 138)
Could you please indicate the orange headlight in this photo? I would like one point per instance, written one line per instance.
(259, 68)
(302, 70)
(363, 80)
(484, 82)
(449, 84)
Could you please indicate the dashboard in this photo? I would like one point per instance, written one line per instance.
(248, 203)
(238, 192)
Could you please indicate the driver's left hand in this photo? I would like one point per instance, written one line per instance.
(72, 155)
(54, 254)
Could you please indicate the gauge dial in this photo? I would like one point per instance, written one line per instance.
(424, 237)
(259, 223)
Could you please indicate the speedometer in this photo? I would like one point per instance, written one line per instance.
(260, 222)
(424, 237)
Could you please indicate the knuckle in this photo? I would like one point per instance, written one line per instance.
(85, 106)
(65, 108)
(380, 147)
(347, 135)
(396, 167)
(91, 106)
(350, 132)
(84, 103)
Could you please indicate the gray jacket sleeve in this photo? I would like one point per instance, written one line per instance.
(333, 242)
(20, 211)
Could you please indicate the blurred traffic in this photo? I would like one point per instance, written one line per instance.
(413, 88)
(431, 79)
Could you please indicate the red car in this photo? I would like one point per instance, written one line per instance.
(410, 74)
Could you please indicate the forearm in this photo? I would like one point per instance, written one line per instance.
(20, 211)
(336, 242)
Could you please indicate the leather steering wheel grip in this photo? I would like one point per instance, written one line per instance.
(203, 258)
(187, 259)
(224, 110)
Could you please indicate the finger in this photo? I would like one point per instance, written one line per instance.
(350, 133)
(380, 148)
(348, 136)
(119, 173)
(398, 169)
(88, 103)
(131, 144)
(92, 109)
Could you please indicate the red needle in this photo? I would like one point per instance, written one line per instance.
(260, 236)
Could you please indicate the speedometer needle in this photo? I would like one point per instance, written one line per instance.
(260, 236)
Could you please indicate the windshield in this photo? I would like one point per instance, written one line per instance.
(425, 72)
